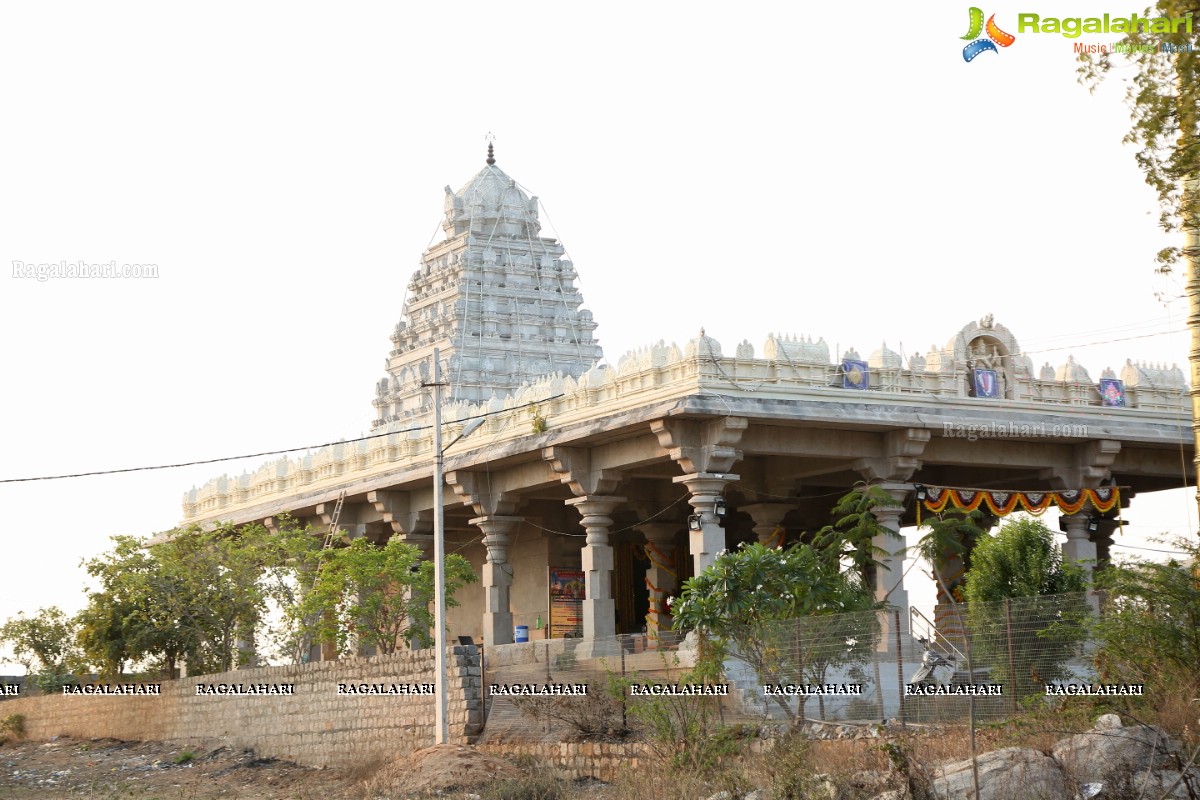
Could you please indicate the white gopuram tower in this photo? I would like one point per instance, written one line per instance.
(495, 296)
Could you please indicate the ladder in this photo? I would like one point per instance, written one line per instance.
(333, 520)
(305, 644)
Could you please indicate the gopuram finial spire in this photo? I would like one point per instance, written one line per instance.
(491, 159)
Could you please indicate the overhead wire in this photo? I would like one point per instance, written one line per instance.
(263, 453)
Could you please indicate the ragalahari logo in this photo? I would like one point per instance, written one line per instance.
(995, 36)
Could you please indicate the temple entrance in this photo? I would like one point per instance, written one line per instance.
(630, 594)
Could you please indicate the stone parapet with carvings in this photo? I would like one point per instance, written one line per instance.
(665, 375)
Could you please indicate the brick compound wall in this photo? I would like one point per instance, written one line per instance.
(315, 726)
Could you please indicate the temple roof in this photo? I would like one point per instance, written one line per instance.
(490, 187)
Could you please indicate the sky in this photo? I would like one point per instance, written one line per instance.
(747, 169)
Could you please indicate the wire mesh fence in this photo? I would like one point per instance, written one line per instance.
(842, 669)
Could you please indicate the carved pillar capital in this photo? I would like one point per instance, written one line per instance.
(1088, 465)
(497, 536)
(474, 489)
(574, 468)
(701, 446)
(767, 519)
(595, 511)
(900, 456)
(709, 541)
(660, 534)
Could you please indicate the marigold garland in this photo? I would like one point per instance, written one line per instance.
(1069, 501)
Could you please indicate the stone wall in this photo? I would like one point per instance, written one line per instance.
(315, 726)
(574, 760)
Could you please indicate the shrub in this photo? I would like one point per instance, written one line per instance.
(599, 714)
(12, 727)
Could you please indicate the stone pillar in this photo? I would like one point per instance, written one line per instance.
(245, 655)
(497, 578)
(889, 577)
(599, 611)
(1103, 539)
(662, 579)
(425, 544)
(709, 541)
(767, 518)
(1079, 546)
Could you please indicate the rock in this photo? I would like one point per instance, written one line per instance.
(1107, 722)
(822, 787)
(1014, 773)
(1100, 755)
(1156, 783)
(722, 795)
(754, 795)
(868, 779)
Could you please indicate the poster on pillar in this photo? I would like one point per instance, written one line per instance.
(567, 594)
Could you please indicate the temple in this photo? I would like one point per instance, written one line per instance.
(637, 475)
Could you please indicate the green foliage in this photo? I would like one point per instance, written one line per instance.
(12, 726)
(684, 731)
(1021, 560)
(948, 547)
(45, 645)
(1150, 631)
(183, 757)
(190, 596)
(1021, 594)
(743, 603)
(378, 596)
(855, 528)
(125, 620)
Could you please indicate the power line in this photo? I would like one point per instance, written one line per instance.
(265, 452)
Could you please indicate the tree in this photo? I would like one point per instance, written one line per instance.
(1150, 631)
(948, 548)
(127, 618)
(378, 596)
(1164, 99)
(292, 555)
(191, 596)
(212, 588)
(854, 530)
(45, 645)
(752, 601)
(1046, 625)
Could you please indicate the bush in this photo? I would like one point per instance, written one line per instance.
(685, 731)
(12, 727)
(598, 715)
(539, 784)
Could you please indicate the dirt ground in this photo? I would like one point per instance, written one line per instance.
(108, 769)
